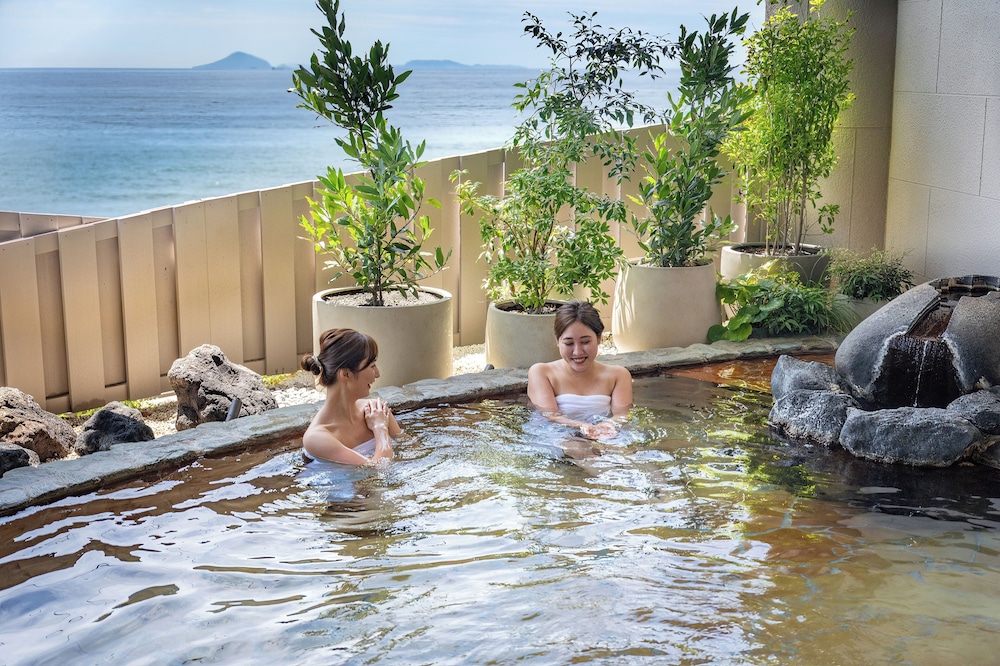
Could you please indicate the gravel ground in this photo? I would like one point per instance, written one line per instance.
(298, 389)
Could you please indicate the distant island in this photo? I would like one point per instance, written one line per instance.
(451, 64)
(240, 60)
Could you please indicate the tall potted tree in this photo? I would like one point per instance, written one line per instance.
(370, 225)
(667, 297)
(799, 72)
(572, 112)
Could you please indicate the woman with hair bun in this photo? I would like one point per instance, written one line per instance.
(350, 428)
(578, 389)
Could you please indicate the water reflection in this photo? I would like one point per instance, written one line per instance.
(694, 539)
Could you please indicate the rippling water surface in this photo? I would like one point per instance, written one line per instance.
(695, 539)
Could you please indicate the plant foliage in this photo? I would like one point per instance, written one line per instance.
(547, 235)
(880, 276)
(680, 176)
(773, 299)
(799, 72)
(369, 224)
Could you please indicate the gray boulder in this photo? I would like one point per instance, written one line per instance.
(206, 383)
(13, 456)
(24, 423)
(792, 374)
(113, 424)
(982, 408)
(928, 436)
(814, 416)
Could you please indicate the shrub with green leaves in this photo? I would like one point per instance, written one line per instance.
(879, 276)
(800, 75)
(772, 300)
(682, 169)
(371, 229)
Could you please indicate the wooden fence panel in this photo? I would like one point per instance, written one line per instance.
(305, 269)
(139, 307)
(81, 304)
(278, 233)
(110, 290)
(21, 363)
(486, 168)
(165, 270)
(222, 233)
(193, 302)
(10, 226)
(251, 281)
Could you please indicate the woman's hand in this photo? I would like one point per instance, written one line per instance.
(377, 414)
(600, 431)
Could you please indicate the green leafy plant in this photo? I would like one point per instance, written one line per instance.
(683, 168)
(773, 299)
(799, 73)
(371, 226)
(571, 112)
(879, 276)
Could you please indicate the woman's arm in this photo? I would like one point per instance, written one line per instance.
(383, 424)
(320, 443)
(621, 395)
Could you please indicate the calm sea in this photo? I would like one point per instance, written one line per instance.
(110, 142)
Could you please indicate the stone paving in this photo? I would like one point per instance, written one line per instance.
(28, 486)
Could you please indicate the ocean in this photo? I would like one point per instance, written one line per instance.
(112, 142)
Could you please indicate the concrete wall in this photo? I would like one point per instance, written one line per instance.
(944, 172)
(859, 182)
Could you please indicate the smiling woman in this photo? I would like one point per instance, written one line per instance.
(577, 389)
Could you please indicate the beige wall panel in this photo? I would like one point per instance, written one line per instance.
(51, 316)
(918, 35)
(969, 37)
(142, 353)
(305, 270)
(279, 229)
(110, 287)
(873, 51)
(837, 189)
(938, 141)
(870, 189)
(251, 282)
(447, 230)
(20, 320)
(486, 168)
(991, 150)
(222, 233)
(165, 271)
(907, 211)
(193, 304)
(81, 304)
(10, 226)
(974, 249)
(33, 224)
(630, 188)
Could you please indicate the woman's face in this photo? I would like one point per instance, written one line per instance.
(368, 373)
(578, 346)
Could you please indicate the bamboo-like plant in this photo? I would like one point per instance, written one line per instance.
(683, 168)
(799, 72)
(372, 230)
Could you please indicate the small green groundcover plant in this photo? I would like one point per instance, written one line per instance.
(879, 276)
(771, 299)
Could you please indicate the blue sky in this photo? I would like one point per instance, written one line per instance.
(185, 33)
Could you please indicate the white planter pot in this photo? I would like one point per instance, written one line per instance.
(414, 341)
(735, 262)
(518, 340)
(664, 307)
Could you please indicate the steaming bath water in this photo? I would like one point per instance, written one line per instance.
(694, 539)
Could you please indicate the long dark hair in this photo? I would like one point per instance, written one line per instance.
(340, 348)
